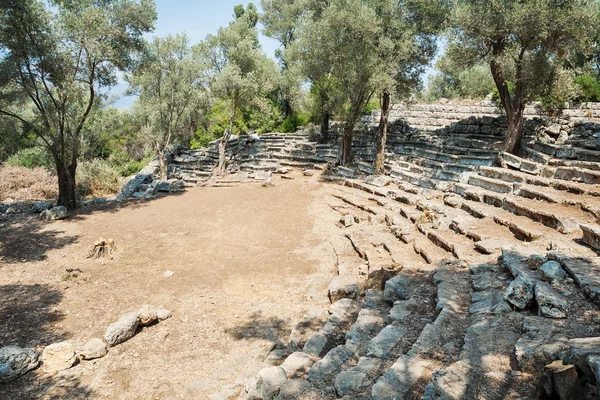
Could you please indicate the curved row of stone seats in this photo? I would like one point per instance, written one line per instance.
(564, 151)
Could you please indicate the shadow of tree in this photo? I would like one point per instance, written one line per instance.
(27, 315)
(23, 237)
(261, 327)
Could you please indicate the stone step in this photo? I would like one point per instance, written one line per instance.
(441, 338)
(561, 217)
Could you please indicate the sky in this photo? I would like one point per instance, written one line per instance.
(197, 19)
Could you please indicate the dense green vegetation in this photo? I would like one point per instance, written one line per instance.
(337, 60)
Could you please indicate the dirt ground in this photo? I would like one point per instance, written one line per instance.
(248, 262)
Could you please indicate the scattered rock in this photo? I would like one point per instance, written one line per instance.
(268, 383)
(123, 329)
(163, 186)
(551, 303)
(347, 220)
(162, 314)
(58, 357)
(535, 261)
(308, 173)
(395, 289)
(168, 273)
(268, 182)
(552, 271)
(11, 210)
(41, 206)
(296, 364)
(94, 348)
(15, 362)
(147, 315)
(519, 292)
(58, 212)
(343, 286)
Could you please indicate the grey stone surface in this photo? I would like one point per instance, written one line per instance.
(316, 344)
(535, 261)
(163, 186)
(552, 271)
(94, 348)
(58, 212)
(268, 383)
(542, 342)
(519, 292)
(296, 364)
(578, 351)
(16, 361)
(324, 370)
(343, 286)
(41, 206)
(358, 378)
(489, 302)
(551, 303)
(122, 330)
(395, 289)
(381, 346)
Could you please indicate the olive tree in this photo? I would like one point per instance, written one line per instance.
(340, 46)
(60, 58)
(406, 43)
(238, 69)
(170, 83)
(525, 44)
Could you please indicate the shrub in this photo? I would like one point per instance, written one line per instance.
(201, 139)
(22, 183)
(125, 165)
(291, 123)
(476, 82)
(31, 157)
(97, 178)
(589, 88)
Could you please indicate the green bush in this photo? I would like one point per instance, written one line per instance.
(476, 82)
(589, 88)
(201, 139)
(31, 157)
(291, 123)
(97, 178)
(125, 165)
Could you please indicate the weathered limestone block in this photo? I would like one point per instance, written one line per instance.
(94, 348)
(382, 345)
(551, 303)
(578, 351)
(15, 362)
(395, 289)
(520, 292)
(591, 235)
(58, 357)
(324, 370)
(357, 378)
(343, 286)
(552, 271)
(296, 364)
(123, 329)
(541, 343)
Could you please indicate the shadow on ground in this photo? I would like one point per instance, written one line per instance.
(27, 316)
(260, 327)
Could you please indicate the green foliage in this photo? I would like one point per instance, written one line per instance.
(124, 164)
(202, 139)
(476, 82)
(452, 81)
(97, 178)
(373, 104)
(57, 60)
(31, 157)
(170, 84)
(589, 88)
(291, 123)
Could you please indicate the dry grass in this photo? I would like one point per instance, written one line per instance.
(23, 184)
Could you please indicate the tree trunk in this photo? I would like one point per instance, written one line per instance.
(324, 138)
(162, 158)
(346, 149)
(223, 144)
(382, 133)
(514, 132)
(66, 185)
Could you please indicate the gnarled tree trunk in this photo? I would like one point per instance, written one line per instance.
(382, 133)
(514, 131)
(324, 138)
(66, 184)
(221, 167)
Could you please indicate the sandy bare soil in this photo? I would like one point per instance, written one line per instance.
(248, 262)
